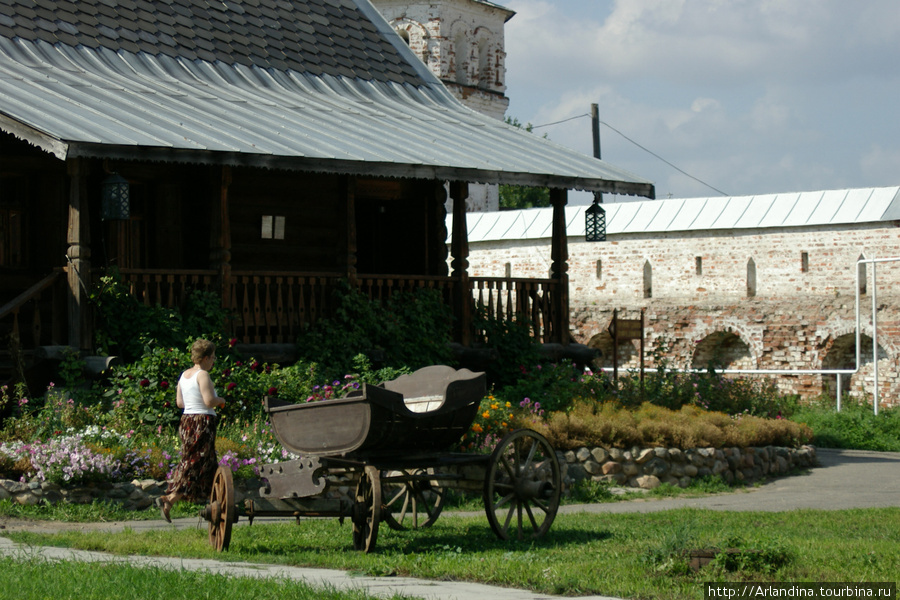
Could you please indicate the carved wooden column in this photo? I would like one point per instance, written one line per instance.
(459, 252)
(220, 232)
(78, 257)
(348, 190)
(559, 267)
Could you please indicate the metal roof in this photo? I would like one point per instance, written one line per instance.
(75, 88)
(795, 209)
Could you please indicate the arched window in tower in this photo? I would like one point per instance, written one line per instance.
(751, 278)
(484, 63)
(461, 58)
(648, 280)
(861, 275)
(404, 35)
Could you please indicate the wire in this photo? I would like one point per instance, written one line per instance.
(647, 150)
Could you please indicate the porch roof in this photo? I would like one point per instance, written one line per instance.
(320, 85)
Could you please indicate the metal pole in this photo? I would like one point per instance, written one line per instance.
(839, 392)
(595, 134)
(874, 339)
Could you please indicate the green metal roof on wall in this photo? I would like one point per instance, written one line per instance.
(319, 85)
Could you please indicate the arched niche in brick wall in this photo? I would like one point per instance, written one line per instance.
(629, 352)
(724, 350)
(841, 354)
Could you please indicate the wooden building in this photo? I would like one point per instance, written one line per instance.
(262, 149)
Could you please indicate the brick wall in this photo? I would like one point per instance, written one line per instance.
(802, 316)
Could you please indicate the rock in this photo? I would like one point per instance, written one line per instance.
(644, 455)
(647, 482)
(591, 467)
(611, 468)
(600, 455)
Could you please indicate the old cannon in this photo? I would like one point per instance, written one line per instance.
(395, 440)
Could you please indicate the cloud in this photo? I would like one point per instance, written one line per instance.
(751, 96)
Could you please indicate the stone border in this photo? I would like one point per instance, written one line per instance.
(644, 468)
(647, 468)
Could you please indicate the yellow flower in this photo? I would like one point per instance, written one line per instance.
(508, 405)
(477, 428)
(493, 407)
(486, 414)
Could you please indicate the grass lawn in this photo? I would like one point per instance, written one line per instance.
(624, 555)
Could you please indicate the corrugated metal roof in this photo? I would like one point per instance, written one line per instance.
(91, 100)
(821, 208)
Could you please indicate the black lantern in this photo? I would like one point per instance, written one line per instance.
(115, 198)
(595, 222)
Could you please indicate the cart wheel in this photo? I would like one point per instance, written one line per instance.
(411, 500)
(220, 512)
(522, 486)
(367, 510)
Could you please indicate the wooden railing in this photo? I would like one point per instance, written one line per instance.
(519, 299)
(166, 287)
(273, 307)
(37, 316)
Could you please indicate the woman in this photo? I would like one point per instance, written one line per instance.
(193, 478)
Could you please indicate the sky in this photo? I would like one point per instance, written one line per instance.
(744, 96)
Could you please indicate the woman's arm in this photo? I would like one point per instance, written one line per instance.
(207, 391)
(179, 399)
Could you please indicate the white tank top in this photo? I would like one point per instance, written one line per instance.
(193, 399)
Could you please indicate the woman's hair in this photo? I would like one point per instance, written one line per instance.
(202, 349)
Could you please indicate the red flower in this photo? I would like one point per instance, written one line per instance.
(145, 382)
(230, 386)
(232, 342)
(273, 390)
(164, 384)
(226, 372)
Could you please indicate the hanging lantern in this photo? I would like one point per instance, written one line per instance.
(115, 198)
(595, 222)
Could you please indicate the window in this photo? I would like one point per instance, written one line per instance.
(272, 227)
(698, 265)
(861, 275)
(599, 269)
(507, 268)
(804, 262)
(648, 280)
(751, 278)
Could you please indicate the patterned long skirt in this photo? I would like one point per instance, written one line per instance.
(193, 477)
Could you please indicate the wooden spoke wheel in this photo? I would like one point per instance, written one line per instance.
(522, 486)
(221, 511)
(367, 510)
(411, 499)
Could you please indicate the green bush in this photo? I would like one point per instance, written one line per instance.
(201, 316)
(856, 426)
(513, 344)
(410, 330)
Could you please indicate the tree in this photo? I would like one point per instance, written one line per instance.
(518, 196)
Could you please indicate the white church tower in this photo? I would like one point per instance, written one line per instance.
(462, 43)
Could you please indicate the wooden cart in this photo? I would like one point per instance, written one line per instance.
(394, 440)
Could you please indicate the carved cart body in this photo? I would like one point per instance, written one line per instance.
(395, 440)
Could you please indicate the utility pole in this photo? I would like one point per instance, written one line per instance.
(595, 131)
